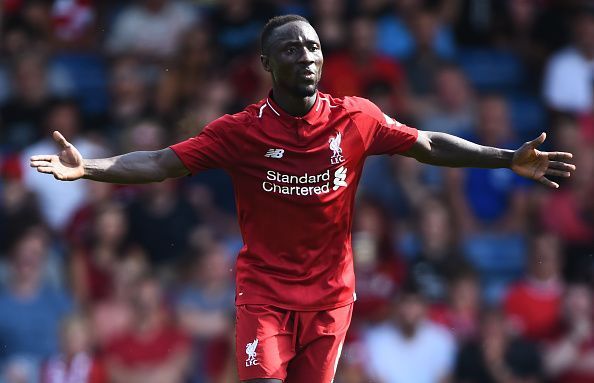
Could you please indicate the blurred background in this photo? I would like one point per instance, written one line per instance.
(463, 275)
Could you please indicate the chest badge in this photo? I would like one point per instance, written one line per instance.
(334, 143)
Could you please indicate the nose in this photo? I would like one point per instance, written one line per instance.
(306, 56)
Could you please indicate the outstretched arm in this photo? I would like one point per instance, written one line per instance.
(446, 150)
(130, 168)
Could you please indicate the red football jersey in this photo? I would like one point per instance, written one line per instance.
(295, 180)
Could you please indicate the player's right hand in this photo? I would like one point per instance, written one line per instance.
(65, 166)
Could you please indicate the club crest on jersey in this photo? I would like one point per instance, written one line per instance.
(250, 350)
(334, 142)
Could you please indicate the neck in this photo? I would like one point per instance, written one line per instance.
(25, 289)
(295, 106)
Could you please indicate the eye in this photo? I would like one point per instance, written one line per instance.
(290, 50)
(314, 48)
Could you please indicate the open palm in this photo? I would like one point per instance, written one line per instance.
(65, 166)
(537, 165)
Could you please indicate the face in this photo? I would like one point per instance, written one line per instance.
(75, 337)
(411, 311)
(545, 257)
(294, 59)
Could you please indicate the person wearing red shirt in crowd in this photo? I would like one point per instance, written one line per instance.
(355, 69)
(533, 304)
(295, 159)
(570, 357)
(154, 350)
(461, 312)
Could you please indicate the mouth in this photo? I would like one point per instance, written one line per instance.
(307, 74)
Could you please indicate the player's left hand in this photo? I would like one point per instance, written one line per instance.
(537, 165)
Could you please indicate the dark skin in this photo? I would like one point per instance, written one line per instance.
(294, 59)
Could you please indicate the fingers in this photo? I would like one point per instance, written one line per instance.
(60, 140)
(538, 140)
(46, 169)
(45, 157)
(561, 166)
(560, 156)
(557, 173)
(547, 182)
(36, 164)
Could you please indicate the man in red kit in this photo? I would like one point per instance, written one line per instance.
(295, 159)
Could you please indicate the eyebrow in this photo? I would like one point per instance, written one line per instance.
(296, 42)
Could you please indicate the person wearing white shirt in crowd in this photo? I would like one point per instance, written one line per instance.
(409, 348)
(569, 75)
(58, 200)
(151, 28)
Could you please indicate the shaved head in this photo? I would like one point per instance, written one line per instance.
(273, 24)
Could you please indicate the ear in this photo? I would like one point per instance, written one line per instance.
(265, 62)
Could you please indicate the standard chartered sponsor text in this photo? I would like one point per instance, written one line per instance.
(303, 185)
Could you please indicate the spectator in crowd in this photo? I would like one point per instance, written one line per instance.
(422, 65)
(497, 356)
(567, 81)
(31, 310)
(238, 23)
(113, 316)
(461, 312)
(205, 310)
(151, 29)
(74, 24)
(351, 72)
(130, 101)
(93, 264)
(453, 109)
(395, 37)
(19, 209)
(34, 83)
(399, 350)
(75, 362)
(484, 200)
(379, 269)
(438, 258)
(183, 82)
(160, 221)
(154, 350)
(533, 304)
(20, 370)
(59, 201)
(570, 357)
(328, 17)
(477, 24)
(521, 30)
(80, 227)
(573, 220)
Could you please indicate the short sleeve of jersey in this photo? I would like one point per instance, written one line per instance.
(380, 133)
(210, 149)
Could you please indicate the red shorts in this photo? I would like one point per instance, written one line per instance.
(293, 346)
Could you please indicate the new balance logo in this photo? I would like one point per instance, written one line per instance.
(250, 350)
(340, 178)
(275, 153)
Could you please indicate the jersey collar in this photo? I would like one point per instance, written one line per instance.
(310, 117)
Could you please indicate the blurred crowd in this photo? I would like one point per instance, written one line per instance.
(463, 275)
